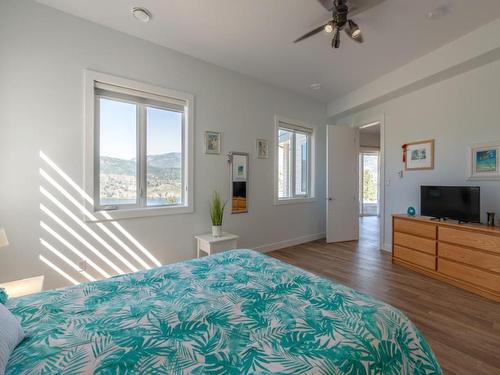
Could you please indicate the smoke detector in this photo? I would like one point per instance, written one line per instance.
(141, 14)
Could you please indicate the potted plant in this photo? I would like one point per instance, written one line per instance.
(217, 214)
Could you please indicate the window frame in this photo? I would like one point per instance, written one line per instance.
(150, 94)
(301, 128)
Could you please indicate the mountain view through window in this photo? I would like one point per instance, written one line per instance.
(120, 160)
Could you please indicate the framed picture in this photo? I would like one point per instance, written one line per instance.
(212, 142)
(419, 155)
(262, 149)
(483, 163)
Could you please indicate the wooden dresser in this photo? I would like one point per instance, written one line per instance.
(465, 255)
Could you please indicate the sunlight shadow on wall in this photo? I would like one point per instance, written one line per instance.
(80, 238)
(91, 217)
(81, 193)
(74, 249)
(86, 228)
(81, 232)
(58, 270)
(66, 259)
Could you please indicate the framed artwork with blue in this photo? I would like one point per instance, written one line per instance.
(483, 161)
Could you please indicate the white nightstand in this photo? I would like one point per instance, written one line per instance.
(211, 245)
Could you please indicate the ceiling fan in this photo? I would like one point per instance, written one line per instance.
(342, 10)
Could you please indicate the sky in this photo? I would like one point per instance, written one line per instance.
(118, 130)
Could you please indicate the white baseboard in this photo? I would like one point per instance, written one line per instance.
(387, 247)
(288, 243)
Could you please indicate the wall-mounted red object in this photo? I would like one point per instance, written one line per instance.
(404, 147)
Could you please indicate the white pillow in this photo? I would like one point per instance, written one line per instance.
(11, 334)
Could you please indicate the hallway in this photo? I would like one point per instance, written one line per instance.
(369, 232)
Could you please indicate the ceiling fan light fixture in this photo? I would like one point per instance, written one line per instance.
(354, 29)
(141, 14)
(341, 11)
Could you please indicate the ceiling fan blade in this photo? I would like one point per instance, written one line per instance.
(359, 39)
(358, 6)
(311, 33)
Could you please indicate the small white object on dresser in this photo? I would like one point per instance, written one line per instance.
(209, 244)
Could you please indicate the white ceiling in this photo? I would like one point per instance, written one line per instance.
(255, 37)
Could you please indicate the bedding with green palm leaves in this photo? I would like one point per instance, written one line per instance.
(236, 312)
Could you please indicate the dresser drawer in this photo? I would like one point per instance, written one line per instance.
(427, 230)
(471, 257)
(417, 243)
(470, 239)
(470, 275)
(415, 257)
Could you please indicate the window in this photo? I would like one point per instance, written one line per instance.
(293, 162)
(140, 145)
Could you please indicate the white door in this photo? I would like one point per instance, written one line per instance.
(342, 208)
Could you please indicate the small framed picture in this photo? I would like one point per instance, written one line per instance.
(212, 142)
(419, 155)
(262, 149)
(483, 161)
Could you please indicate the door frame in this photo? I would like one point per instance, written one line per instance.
(380, 119)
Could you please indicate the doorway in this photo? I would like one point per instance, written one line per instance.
(368, 181)
(350, 150)
(369, 184)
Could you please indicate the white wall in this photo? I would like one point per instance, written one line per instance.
(455, 112)
(367, 139)
(43, 55)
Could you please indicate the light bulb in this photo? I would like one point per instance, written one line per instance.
(355, 31)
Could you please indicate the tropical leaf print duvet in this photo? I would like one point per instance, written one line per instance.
(236, 312)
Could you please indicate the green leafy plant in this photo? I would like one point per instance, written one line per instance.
(217, 209)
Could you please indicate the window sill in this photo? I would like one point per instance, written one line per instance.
(279, 202)
(114, 215)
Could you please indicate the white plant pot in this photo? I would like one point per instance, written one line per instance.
(217, 230)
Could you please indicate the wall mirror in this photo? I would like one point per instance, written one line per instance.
(239, 182)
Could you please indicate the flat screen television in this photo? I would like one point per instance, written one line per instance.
(451, 202)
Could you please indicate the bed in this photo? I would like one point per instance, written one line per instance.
(235, 312)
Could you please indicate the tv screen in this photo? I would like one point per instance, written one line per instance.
(451, 202)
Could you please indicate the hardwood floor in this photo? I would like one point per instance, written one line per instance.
(462, 328)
